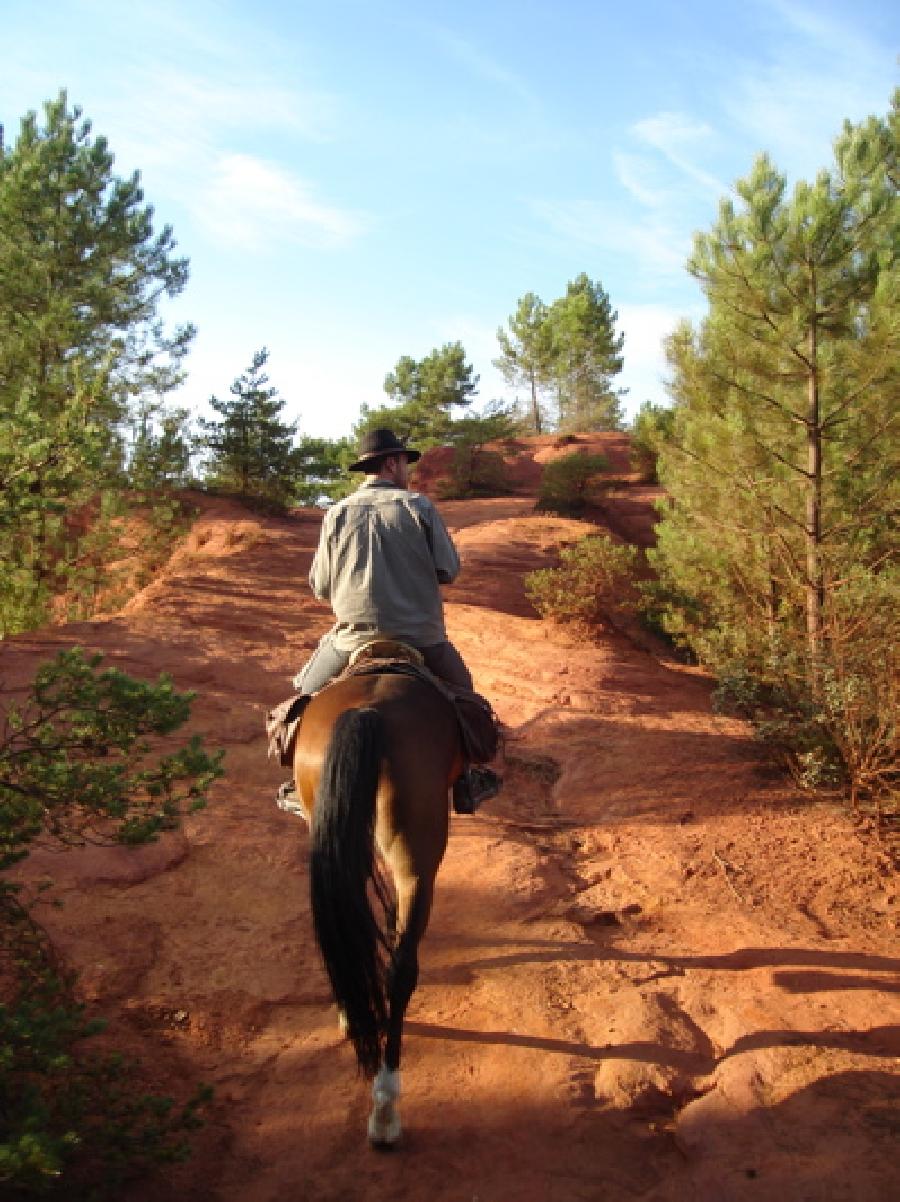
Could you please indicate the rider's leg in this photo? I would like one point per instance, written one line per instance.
(326, 662)
(476, 784)
(445, 661)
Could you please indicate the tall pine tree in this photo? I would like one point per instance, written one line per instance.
(783, 466)
(587, 356)
(425, 394)
(527, 355)
(570, 348)
(250, 450)
(82, 274)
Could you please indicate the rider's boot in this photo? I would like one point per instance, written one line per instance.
(476, 785)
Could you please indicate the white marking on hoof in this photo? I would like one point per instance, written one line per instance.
(384, 1121)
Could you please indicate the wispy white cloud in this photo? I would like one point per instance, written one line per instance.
(172, 119)
(818, 69)
(648, 223)
(187, 119)
(184, 130)
(251, 101)
(646, 327)
(484, 65)
(675, 136)
(641, 178)
(840, 36)
(648, 240)
(253, 203)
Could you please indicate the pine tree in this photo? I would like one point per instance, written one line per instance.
(795, 366)
(587, 356)
(425, 393)
(81, 277)
(322, 468)
(161, 447)
(650, 430)
(478, 470)
(526, 354)
(782, 468)
(250, 449)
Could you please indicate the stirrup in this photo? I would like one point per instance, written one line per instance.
(475, 786)
(287, 799)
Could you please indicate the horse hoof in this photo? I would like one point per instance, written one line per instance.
(384, 1137)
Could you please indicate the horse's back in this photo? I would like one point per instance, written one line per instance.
(421, 751)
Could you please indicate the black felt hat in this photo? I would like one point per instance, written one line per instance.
(378, 444)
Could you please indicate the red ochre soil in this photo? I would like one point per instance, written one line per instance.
(654, 971)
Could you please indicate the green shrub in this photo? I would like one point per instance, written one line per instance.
(837, 727)
(75, 1123)
(596, 578)
(566, 482)
(80, 761)
(476, 470)
(652, 427)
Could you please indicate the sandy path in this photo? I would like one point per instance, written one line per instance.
(653, 971)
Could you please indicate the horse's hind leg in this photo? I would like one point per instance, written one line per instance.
(413, 909)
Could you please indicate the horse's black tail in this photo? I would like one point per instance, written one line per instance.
(341, 880)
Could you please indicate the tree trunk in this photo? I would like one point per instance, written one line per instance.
(815, 588)
(535, 407)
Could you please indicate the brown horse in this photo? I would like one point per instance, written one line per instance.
(374, 760)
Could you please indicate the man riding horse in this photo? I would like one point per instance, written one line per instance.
(383, 553)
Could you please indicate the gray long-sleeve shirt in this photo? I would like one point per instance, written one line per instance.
(383, 553)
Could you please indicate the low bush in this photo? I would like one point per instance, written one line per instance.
(596, 579)
(478, 471)
(651, 429)
(836, 725)
(566, 483)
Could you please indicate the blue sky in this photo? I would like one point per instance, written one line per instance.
(355, 181)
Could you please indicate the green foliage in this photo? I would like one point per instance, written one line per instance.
(81, 275)
(571, 348)
(321, 466)
(75, 1123)
(424, 394)
(781, 464)
(80, 761)
(527, 355)
(596, 579)
(650, 430)
(161, 448)
(478, 471)
(587, 357)
(566, 483)
(846, 734)
(250, 450)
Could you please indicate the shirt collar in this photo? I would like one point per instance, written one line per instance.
(378, 483)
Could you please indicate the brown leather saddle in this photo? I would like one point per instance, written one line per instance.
(479, 726)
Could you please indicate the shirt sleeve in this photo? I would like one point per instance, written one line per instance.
(320, 572)
(443, 552)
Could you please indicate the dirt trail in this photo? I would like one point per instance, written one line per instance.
(653, 972)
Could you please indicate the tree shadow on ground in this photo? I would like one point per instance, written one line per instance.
(879, 1041)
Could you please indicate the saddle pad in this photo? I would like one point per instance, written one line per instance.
(479, 726)
(281, 727)
(391, 650)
